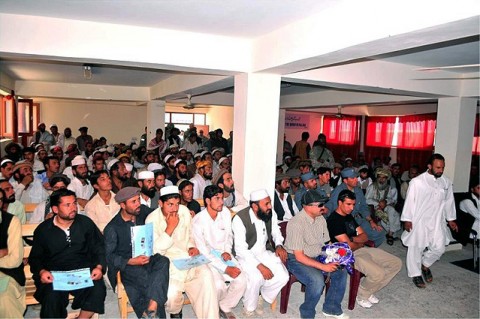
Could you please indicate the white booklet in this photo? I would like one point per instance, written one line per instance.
(142, 240)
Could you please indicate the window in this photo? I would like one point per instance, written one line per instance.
(183, 120)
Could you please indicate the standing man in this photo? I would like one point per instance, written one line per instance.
(283, 203)
(307, 233)
(202, 179)
(145, 277)
(320, 155)
(302, 147)
(66, 139)
(172, 238)
(68, 241)
(42, 136)
(80, 184)
(378, 266)
(428, 204)
(212, 231)
(12, 296)
(259, 248)
(84, 139)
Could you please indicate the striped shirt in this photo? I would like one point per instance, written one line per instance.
(306, 234)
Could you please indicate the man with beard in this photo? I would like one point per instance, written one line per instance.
(10, 204)
(361, 211)
(148, 195)
(42, 136)
(202, 179)
(309, 183)
(145, 277)
(295, 180)
(6, 168)
(54, 132)
(43, 210)
(258, 247)
(429, 202)
(68, 241)
(181, 172)
(29, 156)
(232, 198)
(83, 139)
(169, 161)
(27, 188)
(158, 142)
(118, 174)
(320, 155)
(382, 190)
(283, 204)
(212, 231)
(52, 166)
(66, 139)
(80, 184)
(172, 238)
(186, 197)
(102, 207)
(336, 177)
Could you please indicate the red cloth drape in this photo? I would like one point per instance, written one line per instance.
(380, 131)
(408, 157)
(416, 131)
(372, 152)
(476, 138)
(343, 131)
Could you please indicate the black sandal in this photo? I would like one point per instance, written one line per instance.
(418, 281)
(427, 274)
(390, 240)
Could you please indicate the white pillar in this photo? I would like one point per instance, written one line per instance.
(281, 134)
(256, 113)
(155, 118)
(454, 138)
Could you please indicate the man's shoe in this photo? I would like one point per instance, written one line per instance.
(227, 315)
(418, 281)
(150, 314)
(248, 314)
(342, 316)
(176, 315)
(427, 274)
(364, 303)
(259, 309)
(373, 300)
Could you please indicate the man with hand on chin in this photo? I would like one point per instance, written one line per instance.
(172, 237)
(68, 241)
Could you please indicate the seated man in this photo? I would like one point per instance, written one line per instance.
(145, 277)
(27, 188)
(258, 248)
(232, 198)
(378, 266)
(389, 219)
(283, 203)
(172, 238)
(212, 230)
(310, 183)
(186, 197)
(306, 234)
(44, 210)
(10, 204)
(470, 204)
(68, 241)
(12, 277)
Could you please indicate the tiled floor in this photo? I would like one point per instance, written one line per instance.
(454, 293)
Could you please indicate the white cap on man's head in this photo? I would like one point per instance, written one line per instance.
(111, 163)
(257, 195)
(78, 160)
(154, 167)
(167, 190)
(145, 175)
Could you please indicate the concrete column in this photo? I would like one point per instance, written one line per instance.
(281, 133)
(155, 118)
(256, 114)
(454, 138)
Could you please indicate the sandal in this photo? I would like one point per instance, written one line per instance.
(427, 274)
(418, 281)
(390, 240)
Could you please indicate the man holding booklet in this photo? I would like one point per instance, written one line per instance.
(128, 243)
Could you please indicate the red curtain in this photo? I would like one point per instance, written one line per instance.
(416, 131)
(408, 157)
(476, 138)
(372, 152)
(342, 136)
(380, 131)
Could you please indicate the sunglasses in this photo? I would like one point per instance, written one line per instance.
(320, 205)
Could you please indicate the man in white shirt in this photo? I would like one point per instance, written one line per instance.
(10, 204)
(202, 179)
(470, 204)
(283, 203)
(65, 139)
(102, 207)
(258, 247)
(172, 238)
(148, 195)
(212, 231)
(80, 185)
(27, 188)
(232, 198)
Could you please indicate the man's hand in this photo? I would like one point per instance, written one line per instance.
(281, 253)
(330, 267)
(265, 271)
(375, 226)
(453, 225)
(192, 213)
(193, 251)
(172, 220)
(27, 179)
(46, 276)
(226, 256)
(139, 261)
(233, 271)
(3, 252)
(408, 226)
(96, 274)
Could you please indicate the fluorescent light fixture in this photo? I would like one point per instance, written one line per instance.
(87, 72)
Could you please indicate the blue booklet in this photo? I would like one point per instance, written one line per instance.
(142, 240)
(71, 280)
(218, 254)
(187, 263)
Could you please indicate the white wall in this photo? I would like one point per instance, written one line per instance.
(294, 135)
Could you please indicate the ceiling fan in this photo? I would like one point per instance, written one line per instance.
(337, 115)
(190, 105)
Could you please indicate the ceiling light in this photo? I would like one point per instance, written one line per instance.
(87, 72)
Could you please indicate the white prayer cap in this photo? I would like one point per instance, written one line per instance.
(78, 160)
(129, 167)
(220, 161)
(6, 161)
(154, 167)
(145, 175)
(197, 155)
(257, 195)
(103, 150)
(110, 149)
(167, 158)
(176, 162)
(173, 145)
(203, 153)
(167, 190)
(110, 164)
(53, 125)
(183, 148)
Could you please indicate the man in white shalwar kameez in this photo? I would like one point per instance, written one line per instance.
(428, 204)
(258, 247)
